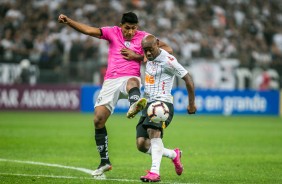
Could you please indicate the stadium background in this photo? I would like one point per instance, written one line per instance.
(226, 45)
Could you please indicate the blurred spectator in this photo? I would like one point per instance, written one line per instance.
(28, 74)
(277, 46)
(8, 45)
(260, 55)
(25, 72)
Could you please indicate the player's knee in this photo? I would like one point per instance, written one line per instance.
(133, 82)
(141, 148)
(99, 121)
(141, 145)
(101, 115)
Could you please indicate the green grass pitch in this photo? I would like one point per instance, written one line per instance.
(216, 149)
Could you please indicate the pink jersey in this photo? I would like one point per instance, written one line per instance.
(117, 65)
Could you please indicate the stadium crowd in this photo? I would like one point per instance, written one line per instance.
(249, 30)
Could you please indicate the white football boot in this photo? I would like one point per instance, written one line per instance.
(136, 107)
(101, 170)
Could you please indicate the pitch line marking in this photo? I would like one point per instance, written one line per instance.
(65, 177)
(87, 171)
(43, 176)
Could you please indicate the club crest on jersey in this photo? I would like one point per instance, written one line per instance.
(154, 66)
(127, 44)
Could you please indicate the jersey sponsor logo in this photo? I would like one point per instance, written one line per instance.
(149, 79)
(127, 44)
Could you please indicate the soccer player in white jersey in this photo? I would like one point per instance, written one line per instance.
(161, 68)
(122, 79)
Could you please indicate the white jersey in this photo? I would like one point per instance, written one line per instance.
(159, 77)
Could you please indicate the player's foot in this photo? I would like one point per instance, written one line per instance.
(151, 177)
(177, 162)
(136, 107)
(101, 169)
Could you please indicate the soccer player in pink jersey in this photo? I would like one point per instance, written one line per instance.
(122, 78)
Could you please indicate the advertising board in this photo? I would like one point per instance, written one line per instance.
(40, 97)
(231, 102)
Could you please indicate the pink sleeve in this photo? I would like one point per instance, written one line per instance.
(106, 33)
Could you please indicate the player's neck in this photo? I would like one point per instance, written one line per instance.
(159, 52)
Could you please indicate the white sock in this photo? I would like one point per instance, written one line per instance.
(169, 153)
(157, 148)
(149, 151)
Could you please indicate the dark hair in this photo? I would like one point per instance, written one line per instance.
(129, 17)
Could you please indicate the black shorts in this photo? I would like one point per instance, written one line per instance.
(144, 122)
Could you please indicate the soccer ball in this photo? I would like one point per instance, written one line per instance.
(158, 112)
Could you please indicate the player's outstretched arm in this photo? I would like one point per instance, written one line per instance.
(191, 109)
(83, 28)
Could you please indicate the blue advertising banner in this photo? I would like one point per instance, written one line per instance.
(88, 97)
(245, 102)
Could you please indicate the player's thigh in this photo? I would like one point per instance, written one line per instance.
(129, 82)
(140, 130)
(109, 94)
(133, 82)
(171, 113)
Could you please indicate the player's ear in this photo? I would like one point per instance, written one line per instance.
(158, 42)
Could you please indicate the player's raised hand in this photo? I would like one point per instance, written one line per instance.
(191, 109)
(63, 19)
(128, 54)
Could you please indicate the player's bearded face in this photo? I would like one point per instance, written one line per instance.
(128, 30)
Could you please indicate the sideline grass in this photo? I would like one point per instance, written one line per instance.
(216, 149)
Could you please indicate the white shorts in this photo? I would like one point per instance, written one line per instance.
(113, 90)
